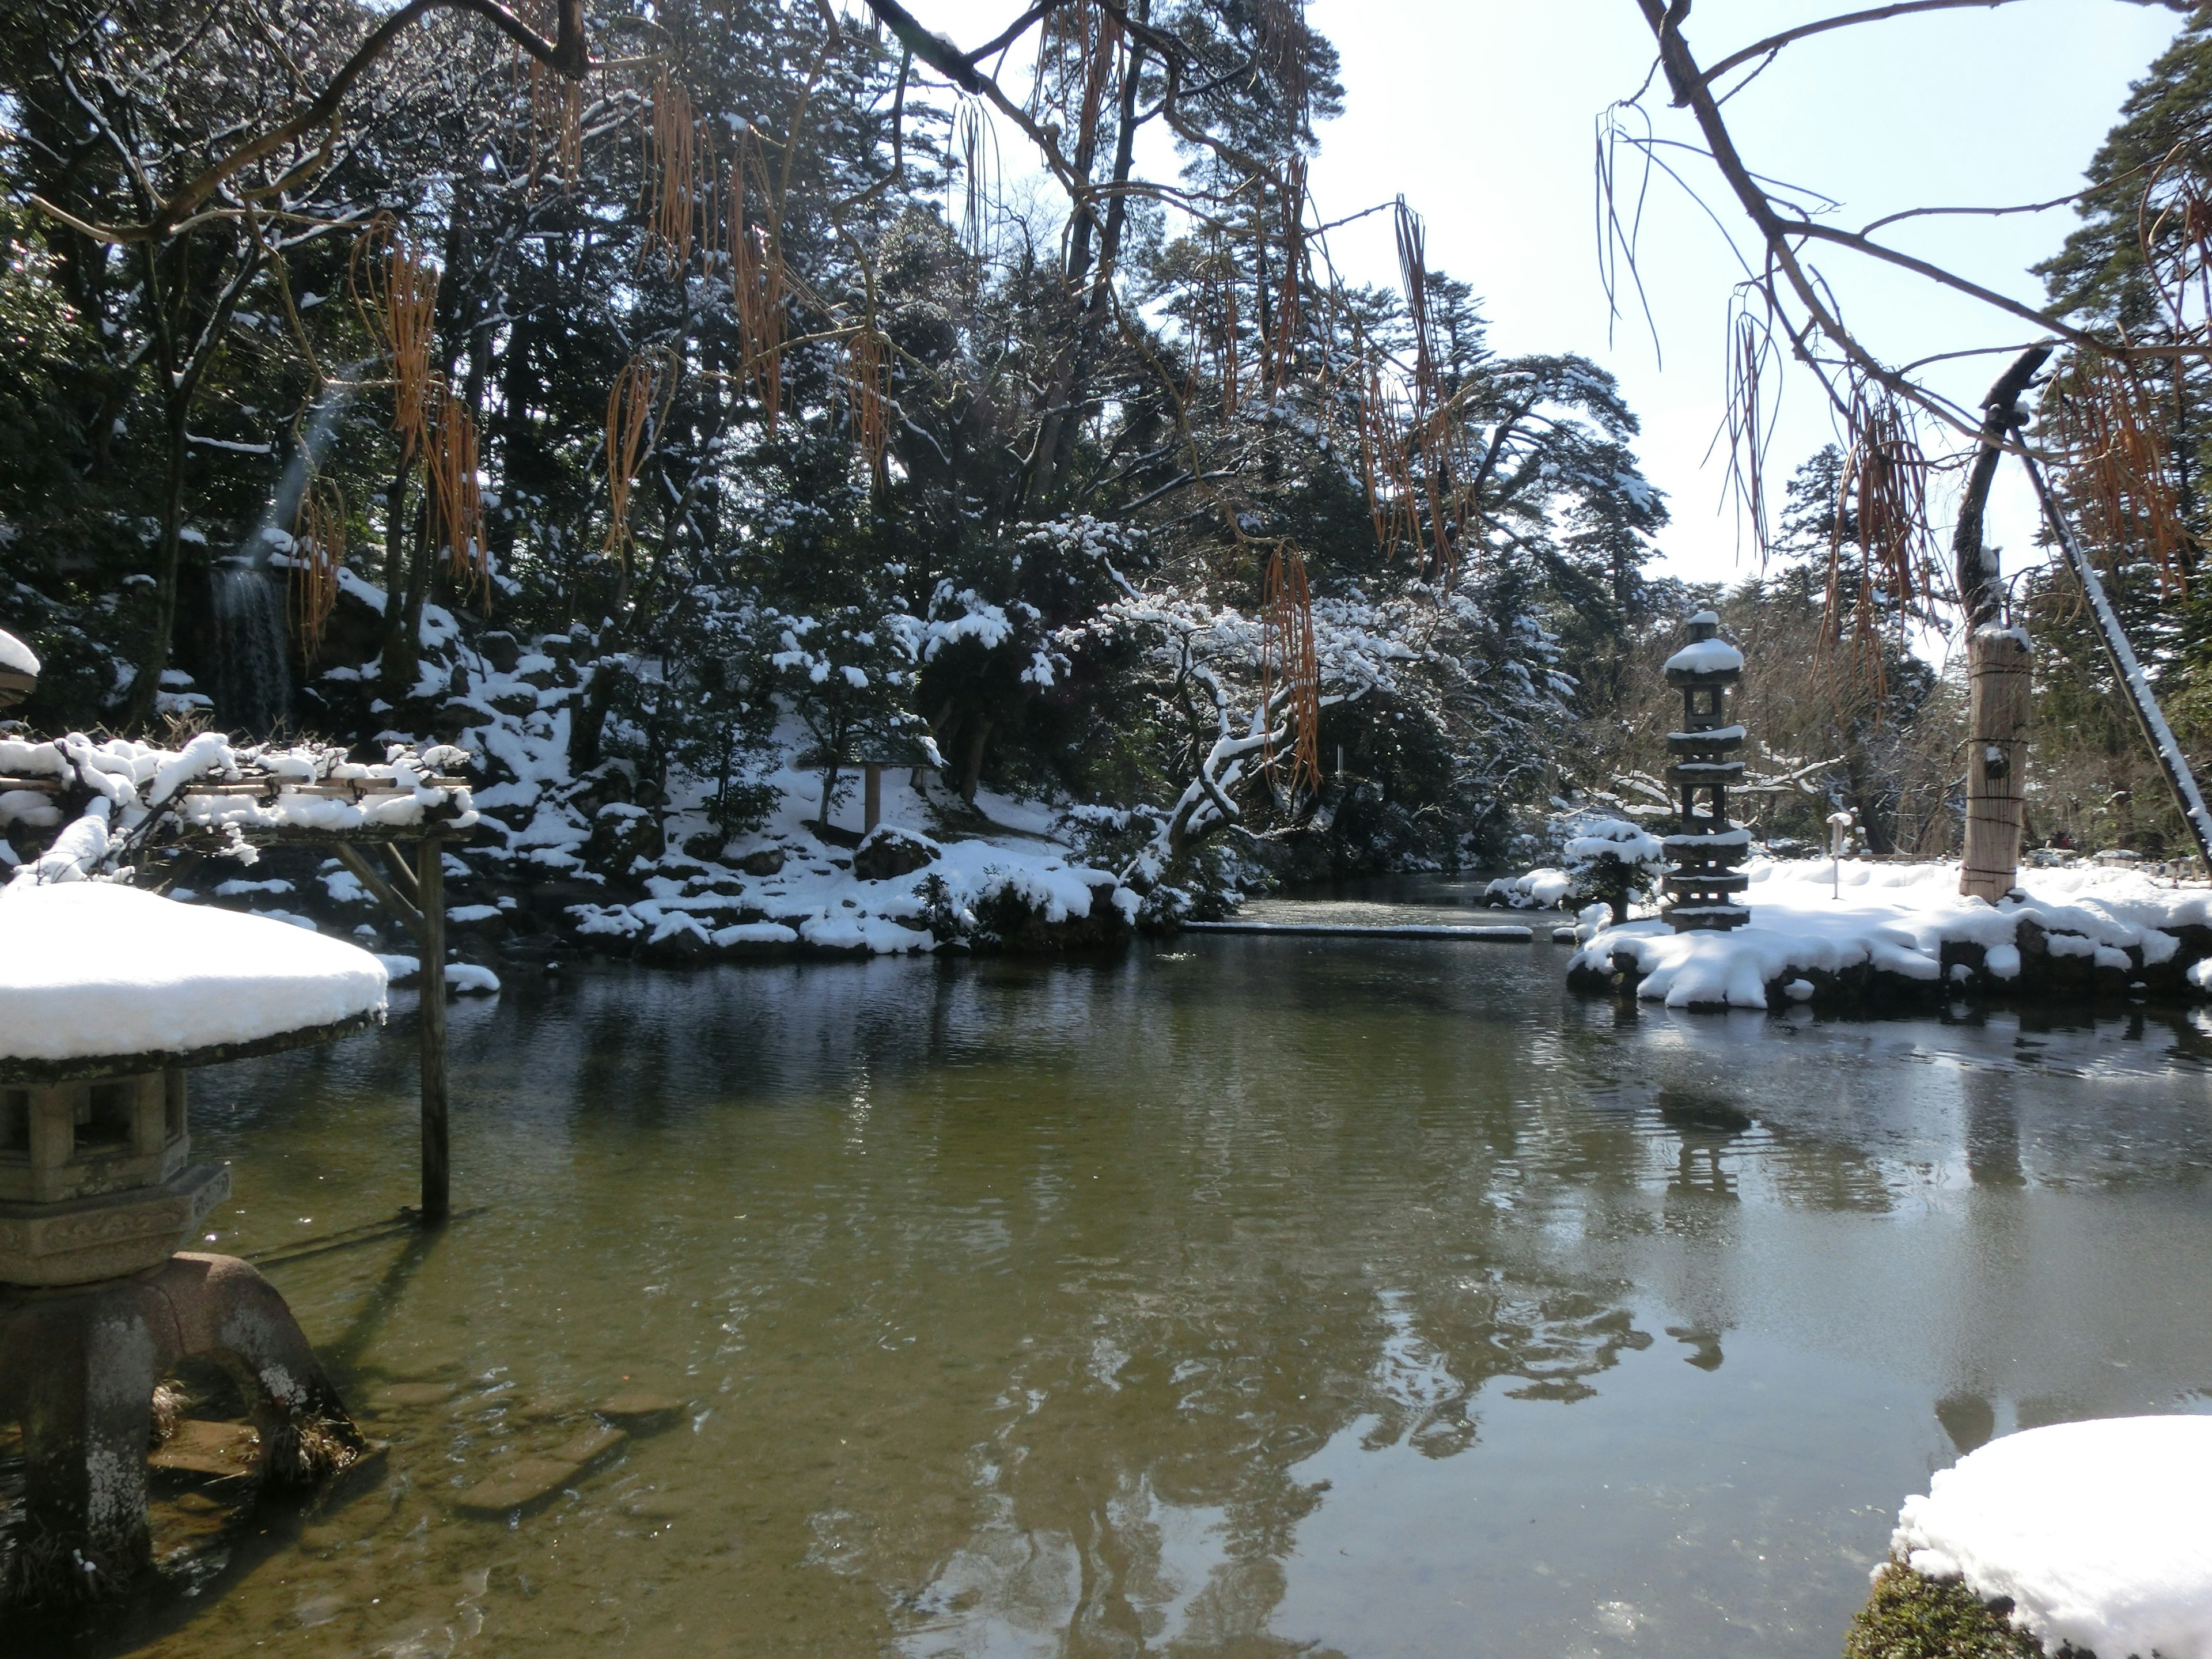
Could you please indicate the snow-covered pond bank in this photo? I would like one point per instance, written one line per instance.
(1375, 1296)
(1900, 933)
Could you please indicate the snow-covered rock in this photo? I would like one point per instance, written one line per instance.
(91, 969)
(2100, 1533)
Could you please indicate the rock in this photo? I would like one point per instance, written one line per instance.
(501, 649)
(605, 782)
(407, 1396)
(524, 1482)
(224, 1450)
(620, 834)
(890, 851)
(707, 845)
(515, 699)
(762, 861)
(634, 1408)
(677, 948)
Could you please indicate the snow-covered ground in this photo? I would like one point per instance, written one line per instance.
(94, 969)
(2098, 1531)
(1906, 923)
(801, 892)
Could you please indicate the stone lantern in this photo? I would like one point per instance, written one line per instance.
(95, 1177)
(108, 996)
(1705, 851)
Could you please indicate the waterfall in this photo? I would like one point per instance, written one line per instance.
(253, 646)
(252, 649)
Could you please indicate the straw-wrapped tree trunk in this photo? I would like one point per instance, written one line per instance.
(1997, 661)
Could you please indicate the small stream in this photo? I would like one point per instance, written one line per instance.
(1241, 1296)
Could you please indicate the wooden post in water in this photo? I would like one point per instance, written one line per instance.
(437, 1171)
(1999, 689)
(1997, 660)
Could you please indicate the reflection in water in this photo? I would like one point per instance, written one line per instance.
(1251, 1297)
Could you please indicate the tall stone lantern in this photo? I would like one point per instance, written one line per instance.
(1705, 850)
(108, 997)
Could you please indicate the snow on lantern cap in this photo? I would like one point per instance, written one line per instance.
(96, 974)
(1707, 657)
(107, 994)
(19, 670)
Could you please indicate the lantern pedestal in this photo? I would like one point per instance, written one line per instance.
(78, 1368)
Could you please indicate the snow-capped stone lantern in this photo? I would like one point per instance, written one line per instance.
(108, 996)
(1703, 879)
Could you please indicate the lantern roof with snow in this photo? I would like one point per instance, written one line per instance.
(1707, 660)
(102, 979)
(19, 670)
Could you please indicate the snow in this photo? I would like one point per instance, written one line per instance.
(1704, 657)
(462, 978)
(133, 785)
(1617, 838)
(1898, 917)
(94, 969)
(1539, 890)
(14, 654)
(818, 901)
(2098, 1531)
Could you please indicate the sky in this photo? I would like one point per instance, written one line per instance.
(1482, 114)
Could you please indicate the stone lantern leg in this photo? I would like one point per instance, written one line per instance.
(1704, 853)
(97, 1190)
(78, 1368)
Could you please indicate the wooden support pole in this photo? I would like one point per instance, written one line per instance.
(365, 872)
(2134, 685)
(437, 1170)
(403, 873)
(871, 799)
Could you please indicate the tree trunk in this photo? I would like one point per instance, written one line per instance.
(971, 770)
(1997, 660)
(396, 661)
(167, 558)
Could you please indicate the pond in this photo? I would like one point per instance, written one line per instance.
(1241, 1296)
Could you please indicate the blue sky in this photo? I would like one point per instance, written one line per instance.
(1481, 113)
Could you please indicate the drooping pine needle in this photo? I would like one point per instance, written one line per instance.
(318, 544)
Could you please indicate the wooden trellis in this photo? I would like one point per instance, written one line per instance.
(412, 889)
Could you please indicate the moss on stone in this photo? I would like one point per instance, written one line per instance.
(1912, 1617)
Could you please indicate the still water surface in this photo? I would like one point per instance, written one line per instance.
(1239, 1296)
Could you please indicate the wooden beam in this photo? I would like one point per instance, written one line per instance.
(402, 873)
(365, 873)
(437, 1169)
(214, 838)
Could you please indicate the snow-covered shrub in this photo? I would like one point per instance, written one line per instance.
(1539, 890)
(1612, 862)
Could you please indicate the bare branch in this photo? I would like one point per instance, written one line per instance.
(1776, 42)
(567, 54)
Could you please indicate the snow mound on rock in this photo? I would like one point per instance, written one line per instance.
(2099, 1532)
(91, 970)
